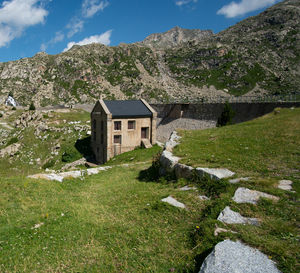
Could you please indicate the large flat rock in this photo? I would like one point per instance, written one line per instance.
(229, 216)
(244, 195)
(285, 185)
(235, 257)
(214, 173)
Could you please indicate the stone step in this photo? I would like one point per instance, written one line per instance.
(146, 143)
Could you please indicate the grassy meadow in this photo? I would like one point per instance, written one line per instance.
(115, 222)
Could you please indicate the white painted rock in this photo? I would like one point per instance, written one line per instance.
(244, 195)
(172, 201)
(285, 185)
(237, 180)
(235, 257)
(229, 216)
(216, 174)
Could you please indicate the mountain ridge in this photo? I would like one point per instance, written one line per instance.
(257, 56)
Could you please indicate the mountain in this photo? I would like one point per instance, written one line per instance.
(258, 56)
(175, 37)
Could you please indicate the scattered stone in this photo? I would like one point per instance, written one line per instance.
(37, 225)
(229, 257)
(10, 150)
(244, 195)
(216, 174)
(72, 174)
(285, 185)
(237, 180)
(203, 197)
(172, 201)
(10, 101)
(219, 230)
(187, 188)
(229, 216)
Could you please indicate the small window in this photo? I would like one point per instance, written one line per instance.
(102, 138)
(117, 125)
(94, 124)
(102, 125)
(94, 136)
(117, 139)
(131, 124)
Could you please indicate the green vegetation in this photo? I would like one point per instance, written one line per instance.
(31, 107)
(115, 222)
(226, 115)
(267, 150)
(12, 141)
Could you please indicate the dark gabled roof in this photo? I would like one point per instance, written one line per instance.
(127, 108)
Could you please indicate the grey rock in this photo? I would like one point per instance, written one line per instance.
(172, 201)
(244, 195)
(237, 180)
(213, 173)
(235, 257)
(203, 197)
(285, 185)
(187, 188)
(229, 216)
(183, 171)
(172, 142)
(168, 160)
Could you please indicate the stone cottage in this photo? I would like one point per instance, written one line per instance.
(119, 126)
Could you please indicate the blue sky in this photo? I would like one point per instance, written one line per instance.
(31, 26)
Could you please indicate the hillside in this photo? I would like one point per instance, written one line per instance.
(115, 221)
(257, 56)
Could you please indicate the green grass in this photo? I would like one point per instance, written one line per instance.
(267, 149)
(267, 146)
(115, 221)
(111, 222)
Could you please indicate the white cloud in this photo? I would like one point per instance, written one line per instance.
(184, 2)
(75, 25)
(59, 36)
(91, 7)
(16, 16)
(236, 9)
(103, 38)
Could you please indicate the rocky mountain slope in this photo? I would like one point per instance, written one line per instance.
(260, 55)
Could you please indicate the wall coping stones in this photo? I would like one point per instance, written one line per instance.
(244, 195)
(229, 256)
(229, 216)
(171, 163)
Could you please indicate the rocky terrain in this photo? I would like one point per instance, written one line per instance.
(178, 64)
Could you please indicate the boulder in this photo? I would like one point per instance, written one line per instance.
(229, 216)
(168, 161)
(244, 195)
(236, 257)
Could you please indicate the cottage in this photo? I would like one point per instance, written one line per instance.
(120, 126)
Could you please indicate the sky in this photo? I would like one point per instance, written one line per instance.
(53, 26)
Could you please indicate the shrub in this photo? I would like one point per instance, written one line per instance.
(14, 108)
(12, 141)
(70, 154)
(226, 116)
(1, 115)
(49, 164)
(31, 107)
